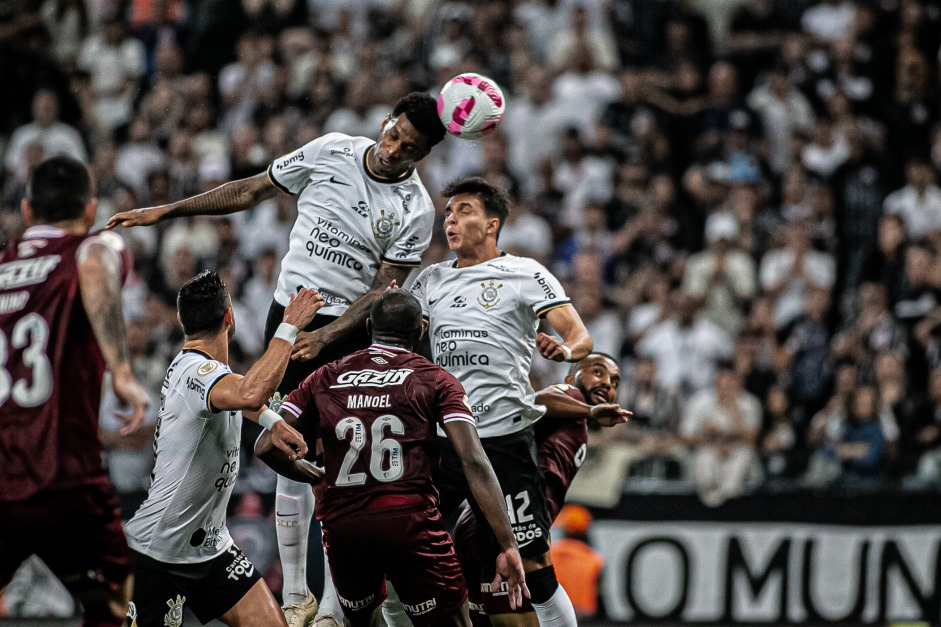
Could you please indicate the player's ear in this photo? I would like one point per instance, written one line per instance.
(88, 217)
(569, 379)
(229, 317)
(26, 210)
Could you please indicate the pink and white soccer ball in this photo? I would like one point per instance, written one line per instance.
(470, 106)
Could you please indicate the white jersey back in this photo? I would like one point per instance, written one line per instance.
(196, 452)
(348, 222)
(482, 327)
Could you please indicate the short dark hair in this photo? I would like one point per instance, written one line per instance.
(59, 190)
(495, 200)
(578, 364)
(201, 303)
(396, 314)
(422, 111)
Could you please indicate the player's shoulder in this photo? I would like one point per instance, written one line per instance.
(199, 364)
(569, 390)
(525, 265)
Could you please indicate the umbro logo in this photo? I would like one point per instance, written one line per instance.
(459, 302)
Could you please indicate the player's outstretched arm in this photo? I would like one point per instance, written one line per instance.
(99, 278)
(563, 407)
(235, 392)
(291, 466)
(486, 491)
(229, 198)
(576, 342)
(309, 345)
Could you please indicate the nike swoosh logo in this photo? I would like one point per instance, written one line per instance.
(432, 302)
(285, 515)
(333, 179)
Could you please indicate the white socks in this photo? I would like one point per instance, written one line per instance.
(557, 611)
(393, 612)
(329, 602)
(294, 507)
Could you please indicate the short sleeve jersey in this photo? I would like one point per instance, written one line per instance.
(348, 221)
(561, 443)
(483, 323)
(376, 411)
(51, 366)
(196, 461)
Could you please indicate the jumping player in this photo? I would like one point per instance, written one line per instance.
(588, 394)
(483, 311)
(364, 220)
(376, 413)
(183, 553)
(61, 327)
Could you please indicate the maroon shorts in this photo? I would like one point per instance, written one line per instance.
(477, 551)
(77, 533)
(406, 544)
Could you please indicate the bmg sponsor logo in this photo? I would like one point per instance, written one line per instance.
(544, 284)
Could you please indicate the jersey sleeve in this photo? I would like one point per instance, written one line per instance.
(301, 404)
(200, 384)
(541, 291)
(418, 290)
(291, 173)
(407, 249)
(450, 399)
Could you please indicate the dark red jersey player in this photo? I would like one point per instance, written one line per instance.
(561, 443)
(60, 329)
(376, 412)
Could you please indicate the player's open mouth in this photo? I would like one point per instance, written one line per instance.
(598, 395)
(383, 162)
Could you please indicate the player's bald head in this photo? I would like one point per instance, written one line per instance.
(396, 316)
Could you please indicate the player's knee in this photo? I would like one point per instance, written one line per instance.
(542, 584)
(295, 489)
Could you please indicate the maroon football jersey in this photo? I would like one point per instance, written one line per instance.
(377, 412)
(51, 368)
(561, 445)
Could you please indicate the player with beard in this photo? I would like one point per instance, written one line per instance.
(588, 394)
(363, 221)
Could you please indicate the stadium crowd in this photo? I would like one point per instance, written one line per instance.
(740, 195)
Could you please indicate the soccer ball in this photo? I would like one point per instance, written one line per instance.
(470, 106)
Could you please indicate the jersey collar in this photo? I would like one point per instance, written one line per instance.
(43, 230)
(386, 347)
(378, 179)
(502, 254)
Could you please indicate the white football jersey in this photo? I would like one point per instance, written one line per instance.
(348, 221)
(196, 460)
(483, 323)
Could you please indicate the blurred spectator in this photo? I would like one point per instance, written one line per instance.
(787, 273)
(852, 447)
(829, 20)
(46, 131)
(721, 425)
(785, 112)
(923, 435)
(919, 202)
(808, 342)
(602, 46)
(67, 23)
(721, 279)
(828, 149)
(686, 348)
(780, 445)
(115, 62)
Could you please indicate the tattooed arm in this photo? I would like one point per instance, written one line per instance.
(229, 198)
(99, 277)
(308, 345)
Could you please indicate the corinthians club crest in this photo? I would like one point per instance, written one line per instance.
(382, 227)
(490, 297)
(174, 618)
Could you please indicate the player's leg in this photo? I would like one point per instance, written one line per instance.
(424, 568)
(514, 462)
(393, 613)
(330, 613)
(357, 564)
(91, 557)
(156, 600)
(257, 607)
